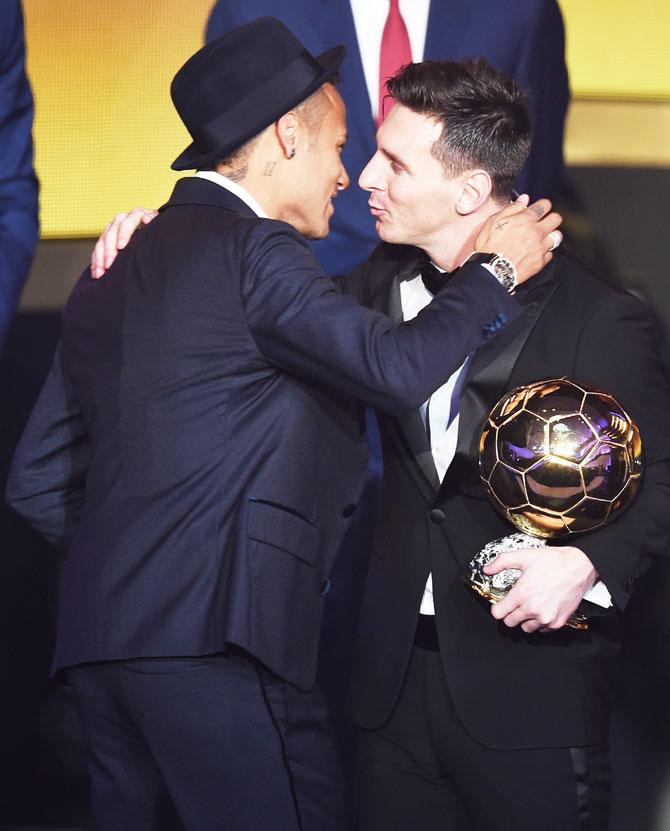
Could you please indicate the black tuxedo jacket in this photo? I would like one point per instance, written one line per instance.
(197, 446)
(511, 690)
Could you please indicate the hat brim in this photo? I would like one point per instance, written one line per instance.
(193, 157)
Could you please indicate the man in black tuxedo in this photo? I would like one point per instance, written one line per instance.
(197, 448)
(475, 717)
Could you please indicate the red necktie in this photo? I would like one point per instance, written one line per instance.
(395, 52)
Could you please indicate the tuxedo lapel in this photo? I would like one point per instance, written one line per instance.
(414, 431)
(386, 299)
(487, 380)
(410, 423)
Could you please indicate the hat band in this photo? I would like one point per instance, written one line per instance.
(244, 115)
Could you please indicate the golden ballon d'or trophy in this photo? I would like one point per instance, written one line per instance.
(557, 458)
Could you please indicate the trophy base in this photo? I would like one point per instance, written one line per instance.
(495, 587)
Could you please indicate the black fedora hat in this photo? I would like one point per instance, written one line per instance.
(240, 83)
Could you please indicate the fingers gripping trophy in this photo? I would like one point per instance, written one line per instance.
(557, 458)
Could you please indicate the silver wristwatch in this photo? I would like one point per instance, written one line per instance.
(502, 269)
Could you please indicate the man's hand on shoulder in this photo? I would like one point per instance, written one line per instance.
(552, 585)
(522, 234)
(116, 236)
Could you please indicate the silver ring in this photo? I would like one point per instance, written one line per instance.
(556, 238)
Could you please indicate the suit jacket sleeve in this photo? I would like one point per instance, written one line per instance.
(18, 185)
(301, 322)
(541, 70)
(48, 473)
(618, 347)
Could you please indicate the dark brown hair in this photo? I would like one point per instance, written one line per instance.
(485, 121)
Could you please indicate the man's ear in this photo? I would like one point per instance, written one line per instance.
(288, 133)
(476, 188)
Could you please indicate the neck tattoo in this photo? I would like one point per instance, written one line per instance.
(238, 175)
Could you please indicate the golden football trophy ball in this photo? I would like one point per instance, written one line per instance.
(557, 458)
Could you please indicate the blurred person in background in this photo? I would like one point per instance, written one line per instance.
(19, 227)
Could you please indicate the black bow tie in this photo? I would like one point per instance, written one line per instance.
(433, 278)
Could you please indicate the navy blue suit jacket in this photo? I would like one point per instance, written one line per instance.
(524, 38)
(18, 184)
(197, 445)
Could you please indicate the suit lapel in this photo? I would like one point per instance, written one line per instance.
(414, 431)
(488, 377)
(411, 423)
(386, 297)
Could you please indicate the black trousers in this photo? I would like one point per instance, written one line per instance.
(206, 743)
(421, 771)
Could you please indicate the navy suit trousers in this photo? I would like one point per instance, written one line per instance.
(205, 743)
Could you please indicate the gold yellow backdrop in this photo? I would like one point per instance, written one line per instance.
(105, 129)
(106, 133)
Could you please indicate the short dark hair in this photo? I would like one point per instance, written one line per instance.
(483, 113)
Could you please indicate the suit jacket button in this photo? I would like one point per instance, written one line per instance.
(325, 588)
(437, 516)
(348, 510)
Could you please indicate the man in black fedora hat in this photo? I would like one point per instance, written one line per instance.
(198, 449)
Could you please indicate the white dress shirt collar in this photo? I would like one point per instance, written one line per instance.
(234, 188)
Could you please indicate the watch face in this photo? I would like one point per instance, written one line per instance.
(505, 272)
